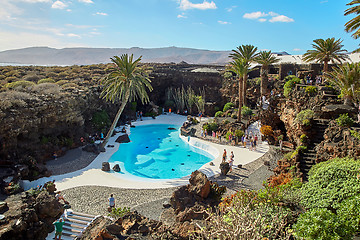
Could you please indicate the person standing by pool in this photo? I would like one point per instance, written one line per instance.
(231, 161)
(111, 202)
(58, 228)
(224, 156)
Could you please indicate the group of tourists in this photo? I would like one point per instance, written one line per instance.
(231, 159)
(252, 139)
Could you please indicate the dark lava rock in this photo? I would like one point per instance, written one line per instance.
(225, 168)
(93, 147)
(123, 139)
(333, 111)
(116, 168)
(105, 167)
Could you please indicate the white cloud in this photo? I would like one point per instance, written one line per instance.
(263, 17)
(58, 5)
(73, 35)
(101, 14)
(281, 18)
(231, 8)
(297, 49)
(224, 23)
(186, 5)
(8, 10)
(255, 15)
(181, 16)
(86, 1)
(324, 1)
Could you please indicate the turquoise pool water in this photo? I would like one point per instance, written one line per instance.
(159, 153)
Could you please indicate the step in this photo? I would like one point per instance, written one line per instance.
(85, 223)
(82, 218)
(83, 215)
(73, 225)
(75, 231)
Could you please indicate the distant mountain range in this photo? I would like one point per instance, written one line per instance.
(85, 56)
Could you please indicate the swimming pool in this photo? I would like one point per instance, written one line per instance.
(156, 151)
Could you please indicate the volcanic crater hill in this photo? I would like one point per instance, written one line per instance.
(37, 120)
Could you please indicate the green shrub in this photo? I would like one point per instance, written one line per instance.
(355, 134)
(47, 88)
(246, 111)
(219, 114)
(304, 117)
(46, 80)
(320, 223)
(210, 127)
(70, 85)
(239, 133)
(303, 138)
(119, 212)
(101, 120)
(349, 212)
(312, 90)
(234, 116)
(21, 83)
(31, 78)
(290, 84)
(228, 106)
(298, 150)
(330, 183)
(245, 215)
(62, 82)
(344, 120)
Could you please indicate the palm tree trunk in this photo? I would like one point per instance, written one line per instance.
(240, 98)
(116, 119)
(264, 81)
(326, 66)
(244, 88)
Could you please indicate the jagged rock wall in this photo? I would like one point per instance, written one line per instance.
(32, 118)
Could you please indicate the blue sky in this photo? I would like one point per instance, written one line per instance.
(277, 25)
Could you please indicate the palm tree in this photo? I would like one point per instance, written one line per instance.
(347, 78)
(241, 68)
(325, 51)
(248, 54)
(265, 58)
(126, 81)
(354, 24)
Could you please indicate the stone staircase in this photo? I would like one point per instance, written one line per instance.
(308, 157)
(75, 224)
(328, 93)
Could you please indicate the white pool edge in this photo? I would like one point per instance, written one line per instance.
(92, 175)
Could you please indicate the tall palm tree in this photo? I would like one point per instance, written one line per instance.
(347, 78)
(126, 81)
(241, 68)
(265, 58)
(354, 24)
(325, 51)
(248, 53)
